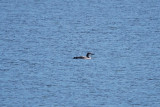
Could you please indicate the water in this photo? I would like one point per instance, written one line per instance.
(38, 40)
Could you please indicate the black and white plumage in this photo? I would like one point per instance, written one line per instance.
(88, 56)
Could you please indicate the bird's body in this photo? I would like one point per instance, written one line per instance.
(88, 56)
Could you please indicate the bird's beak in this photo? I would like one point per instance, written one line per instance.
(92, 54)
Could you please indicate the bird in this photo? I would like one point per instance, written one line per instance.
(88, 56)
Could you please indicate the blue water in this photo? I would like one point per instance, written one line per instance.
(39, 38)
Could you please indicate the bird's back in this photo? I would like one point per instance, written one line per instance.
(82, 57)
(79, 57)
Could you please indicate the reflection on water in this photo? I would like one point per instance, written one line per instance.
(38, 40)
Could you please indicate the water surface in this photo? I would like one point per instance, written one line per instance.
(38, 40)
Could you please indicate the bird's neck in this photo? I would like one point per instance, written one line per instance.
(88, 55)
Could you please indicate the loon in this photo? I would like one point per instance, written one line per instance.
(88, 56)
